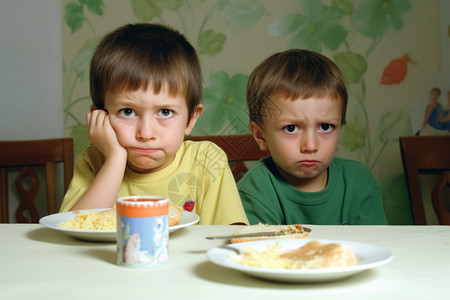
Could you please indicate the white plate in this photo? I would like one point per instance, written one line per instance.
(368, 257)
(53, 221)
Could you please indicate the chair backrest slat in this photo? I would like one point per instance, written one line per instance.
(35, 153)
(239, 149)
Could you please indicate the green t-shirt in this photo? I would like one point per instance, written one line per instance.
(352, 196)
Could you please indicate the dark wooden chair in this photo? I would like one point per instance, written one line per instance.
(27, 155)
(427, 155)
(239, 149)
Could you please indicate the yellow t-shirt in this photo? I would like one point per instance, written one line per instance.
(199, 176)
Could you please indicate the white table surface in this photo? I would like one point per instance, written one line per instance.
(40, 263)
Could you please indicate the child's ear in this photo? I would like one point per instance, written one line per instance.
(258, 135)
(197, 112)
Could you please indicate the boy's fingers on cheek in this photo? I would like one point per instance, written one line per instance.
(97, 118)
(90, 119)
(105, 120)
(93, 118)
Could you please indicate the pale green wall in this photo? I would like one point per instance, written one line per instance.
(31, 82)
(232, 37)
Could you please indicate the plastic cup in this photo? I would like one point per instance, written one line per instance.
(142, 231)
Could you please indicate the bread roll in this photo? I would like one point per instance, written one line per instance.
(175, 214)
(315, 255)
(294, 232)
(109, 213)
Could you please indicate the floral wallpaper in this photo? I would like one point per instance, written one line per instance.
(233, 36)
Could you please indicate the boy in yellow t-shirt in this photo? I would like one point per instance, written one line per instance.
(145, 83)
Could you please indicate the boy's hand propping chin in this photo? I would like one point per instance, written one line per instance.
(102, 135)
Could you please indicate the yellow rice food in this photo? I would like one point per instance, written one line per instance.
(91, 220)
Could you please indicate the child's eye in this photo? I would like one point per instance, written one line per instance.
(127, 113)
(326, 127)
(291, 129)
(165, 113)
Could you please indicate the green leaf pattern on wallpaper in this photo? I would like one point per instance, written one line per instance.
(224, 99)
(315, 25)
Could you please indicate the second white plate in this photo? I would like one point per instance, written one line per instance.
(368, 257)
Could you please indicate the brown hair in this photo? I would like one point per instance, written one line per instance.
(294, 74)
(136, 56)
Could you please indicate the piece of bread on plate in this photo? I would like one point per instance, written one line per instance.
(108, 212)
(175, 214)
(294, 231)
(315, 255)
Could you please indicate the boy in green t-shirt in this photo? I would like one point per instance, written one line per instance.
(297, 101)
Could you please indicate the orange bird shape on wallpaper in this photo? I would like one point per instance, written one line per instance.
(395, 71)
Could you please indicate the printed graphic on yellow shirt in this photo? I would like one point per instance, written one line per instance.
(183, 190)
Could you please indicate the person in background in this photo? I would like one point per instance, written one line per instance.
(436, 121)
(444, 117)
(146, 87)
(433, 110)
(297, 103)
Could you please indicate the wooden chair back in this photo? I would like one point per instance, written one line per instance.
(425, 155)
(239, 149)
(28, 154)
